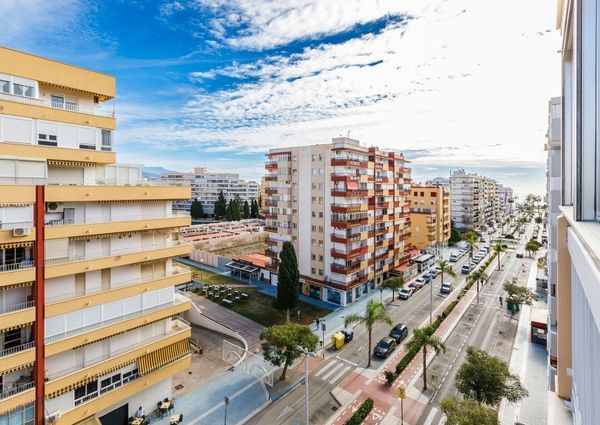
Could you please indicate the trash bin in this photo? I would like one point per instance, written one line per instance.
(337, 340)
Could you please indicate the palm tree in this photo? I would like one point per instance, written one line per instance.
(471, 239)
(374, 313)
(394, 283)
(478, 276)
(423, 338)
(498, 248)
(445, 268)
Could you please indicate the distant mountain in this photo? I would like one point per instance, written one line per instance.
(154, 172)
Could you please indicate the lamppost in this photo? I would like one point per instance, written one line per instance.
(306, 353)
(401, 393)
(226, 404)
(381, 294)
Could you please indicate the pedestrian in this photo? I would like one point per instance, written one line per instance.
(500, 299)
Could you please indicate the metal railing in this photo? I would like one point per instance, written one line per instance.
(17, 349)
(123, 284)
(174, 330)
(67, 106)
(17, 266)
(16, 390)
(15, 224)
(111, 253)
(113, 219)
(16, 307)
(104, 323)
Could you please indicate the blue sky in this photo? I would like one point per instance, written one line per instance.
(218, 82)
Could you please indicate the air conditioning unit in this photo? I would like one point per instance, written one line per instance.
(54, 207)
(21, 231)
(53, 417)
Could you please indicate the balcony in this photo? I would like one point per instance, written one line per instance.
(16, 356)
(345, 224)
(347, 162)
(348, 193)
(346, 208)
(47, 103)
(339, 177)
(77, 337)
(349, 254)
(16, 389)
(347, 269)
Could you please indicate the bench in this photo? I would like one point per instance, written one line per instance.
(226, 301)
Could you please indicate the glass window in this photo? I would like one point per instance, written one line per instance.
(57, 101)
(23, 90)
(4, 86)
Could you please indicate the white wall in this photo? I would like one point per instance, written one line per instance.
(304, 180)
(16, 214)
(56, 286)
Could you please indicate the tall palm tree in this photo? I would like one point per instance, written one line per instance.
(498, 248)
(374, 313)
(445, 268)
(478, 276)
(394, 283)
(423, 338)
(471, 239)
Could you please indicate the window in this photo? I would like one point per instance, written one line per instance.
(313, 228)
(4, 86)
(12, 338)
(320, 272)
(47, 139)
(320, 258)
(320, 157)
(313, 256)
(320, 229)
(314, 214)
(23, 90)
(314, 185)
(313, 270)
(86, 392)
(57, 101)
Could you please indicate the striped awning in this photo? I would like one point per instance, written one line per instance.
(77, 164)
(15, 204)
(22, 325)
(16, 285)
(88, 379)
(119, 333)
(163, 356)
(16, 368)
(92, 420)
(24, 244)
(103, 236)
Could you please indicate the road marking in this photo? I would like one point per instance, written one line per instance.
(339, 375)
(347, 361)
(432, 413)
(326, 367)
(332, 371)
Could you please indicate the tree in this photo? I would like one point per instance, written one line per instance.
(423, 338)
(229, 211)
(498, 248)
(220, 206)
(279, 343)
(471, 238)
(532, 247)
(253, 208)
(394, 283)
(538, 220)
(444, 268)
(468, 412)
(518, 295)
(374, 313)
(478, 276)
(196, 210)
(486, 379)
(246, 210)
(454, 235)
(288, 284)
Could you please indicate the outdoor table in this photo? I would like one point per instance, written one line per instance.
(217, 296)
(236, 298)
(245, 296)
(137, 421)
(165, 405)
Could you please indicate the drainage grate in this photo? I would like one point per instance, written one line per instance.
(178, 387)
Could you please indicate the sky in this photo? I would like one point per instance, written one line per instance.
(216, 83)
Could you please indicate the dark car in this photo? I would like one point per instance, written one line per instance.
(399, 332)
(414, 287)
(348, 334)
(385, 347)
(519, 254)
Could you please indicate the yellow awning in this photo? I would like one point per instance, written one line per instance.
(103, 236)
(16, 285)
(16, 368)
(163, 356)
(77, 164)
(92, 420)
(22, 325)
(15, 204)
(24, 244)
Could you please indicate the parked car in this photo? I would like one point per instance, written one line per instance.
(348, 334)
(384, 347)
(399, 332)
(434, 273)
(519, 254)
(454, 258)
(422, 280)
(405, 293)
(477, 259)
(466, 268)
(413, 287)
(446, 288)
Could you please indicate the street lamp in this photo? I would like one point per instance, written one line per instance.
(306, 353)
(381, 293)
(401, 393)
(226, 404)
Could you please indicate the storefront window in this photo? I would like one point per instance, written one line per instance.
(334, 297)
(315, 292)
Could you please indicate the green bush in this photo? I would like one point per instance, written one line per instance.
(406, 360)
(361, 413)
(390, 377)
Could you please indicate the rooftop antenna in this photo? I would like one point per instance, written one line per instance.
(348, 136)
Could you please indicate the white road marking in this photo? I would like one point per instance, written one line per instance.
(325, 368)
(339, 375)
(432, 414)
(332, 371)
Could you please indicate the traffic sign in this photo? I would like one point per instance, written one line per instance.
(401, 392)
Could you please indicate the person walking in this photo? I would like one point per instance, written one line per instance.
(500, 299)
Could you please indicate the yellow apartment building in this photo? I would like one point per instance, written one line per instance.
(429, 216)
(89, 326)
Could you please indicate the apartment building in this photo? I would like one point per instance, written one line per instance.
(577, 288)
(475, 202)
(345, 208)
(88, 312)
(553, 194)
(429, 217)
(505, 199)
(206, 187)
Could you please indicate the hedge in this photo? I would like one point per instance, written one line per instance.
(361, 413)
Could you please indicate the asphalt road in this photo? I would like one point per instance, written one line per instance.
(412, 312)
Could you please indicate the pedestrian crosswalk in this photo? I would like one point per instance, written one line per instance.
(333, 371)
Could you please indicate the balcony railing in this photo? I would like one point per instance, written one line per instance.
(16, 307)
(96, 220)
(177, 326)
(67, 106)
(16, 389)
(111, 253)
(177, 301)
(66, 181)
(118, 285)
(16, 266)
(15, 225)
(17, 349)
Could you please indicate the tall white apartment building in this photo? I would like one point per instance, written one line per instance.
(576, 246)
(345, 209)
(206, 187)
(505, 199)
(88, 311)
